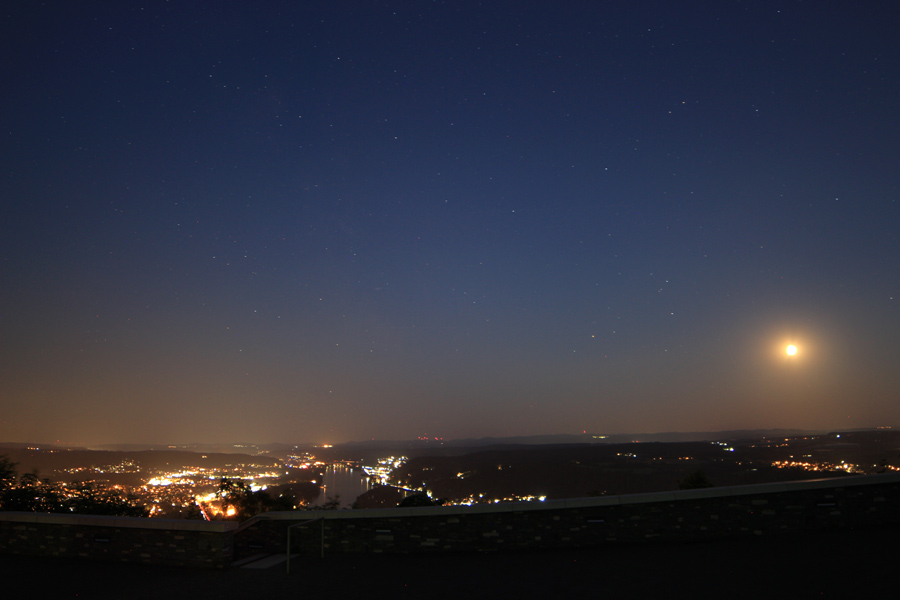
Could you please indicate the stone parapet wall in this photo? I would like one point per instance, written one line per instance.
(124, 539)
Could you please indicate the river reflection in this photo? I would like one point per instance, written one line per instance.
(344, 482)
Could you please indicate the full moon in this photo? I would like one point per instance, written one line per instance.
(791, 350)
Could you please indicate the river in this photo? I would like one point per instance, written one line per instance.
(344, 482)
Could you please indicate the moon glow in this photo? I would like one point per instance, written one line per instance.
(791, 350)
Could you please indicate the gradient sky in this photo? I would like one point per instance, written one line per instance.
(349, 220)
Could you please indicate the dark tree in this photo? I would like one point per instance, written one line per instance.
(194, 512)
(284, 502)
(421, 499)
(234, 495)
(7, 473)
(85, 499)
(32, 494)
(332, 503)
(695, 481)
(247, 503)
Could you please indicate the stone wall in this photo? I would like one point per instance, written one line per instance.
(125, 539)
(687, 515)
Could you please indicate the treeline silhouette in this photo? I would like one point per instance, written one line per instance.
(30, 493)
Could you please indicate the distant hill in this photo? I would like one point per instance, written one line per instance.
(624, 438)
(373, 448)
(440, 446)
(46, 461)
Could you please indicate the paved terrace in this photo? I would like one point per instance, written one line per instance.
(843, 563)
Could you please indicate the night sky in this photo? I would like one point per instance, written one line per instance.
(335, 221)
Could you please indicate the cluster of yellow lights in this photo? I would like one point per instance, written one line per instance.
(812, 466)
(384, 467)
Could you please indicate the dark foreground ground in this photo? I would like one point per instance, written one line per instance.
(846, 564)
